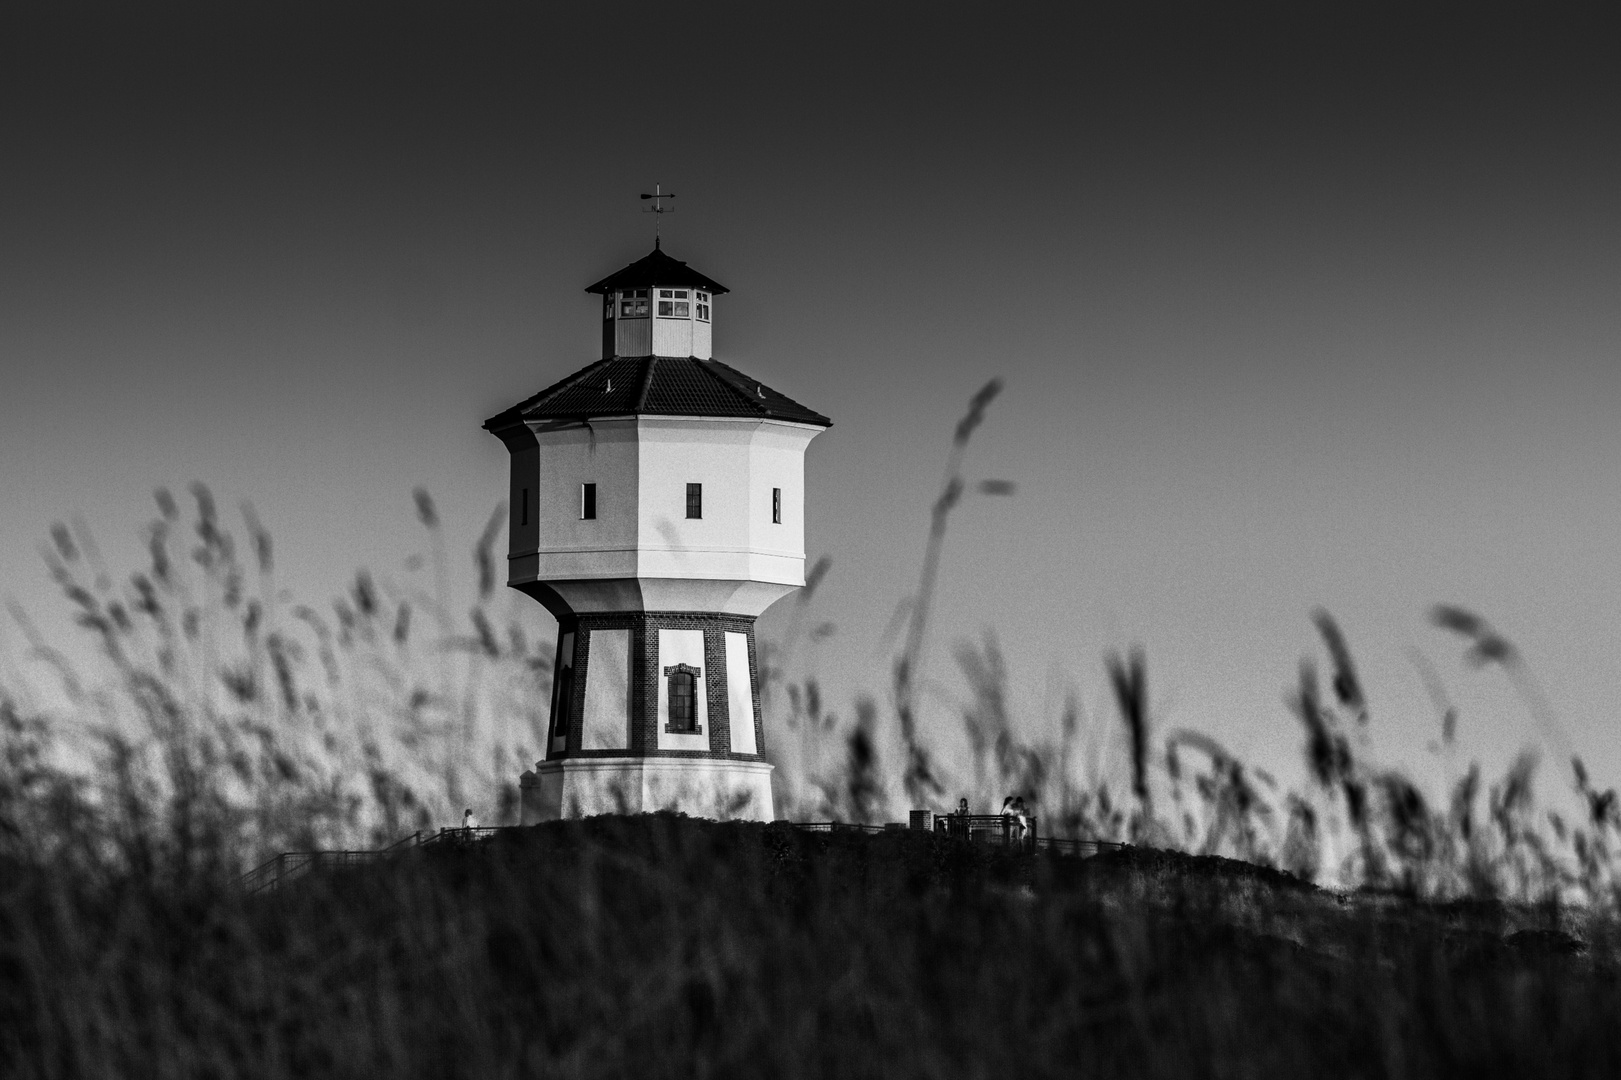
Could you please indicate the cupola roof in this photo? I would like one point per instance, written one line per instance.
(656, 268)
(657, 386)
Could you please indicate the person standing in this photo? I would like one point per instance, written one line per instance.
(1022, 817)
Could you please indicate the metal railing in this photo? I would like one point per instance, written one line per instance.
(1083, 848)
(458, 835)
(994, 829)
(1001, 830)
(289, 866)
(838, 827)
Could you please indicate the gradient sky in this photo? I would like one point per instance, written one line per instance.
(1291, 311)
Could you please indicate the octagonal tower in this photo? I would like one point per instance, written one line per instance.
(657, 509)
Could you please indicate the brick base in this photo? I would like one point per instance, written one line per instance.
(646, 670)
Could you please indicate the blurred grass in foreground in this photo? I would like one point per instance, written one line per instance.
(661, 946)
(225, 724)
(218, 722)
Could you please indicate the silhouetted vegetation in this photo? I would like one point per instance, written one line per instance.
(661, 946)
(1472, 932)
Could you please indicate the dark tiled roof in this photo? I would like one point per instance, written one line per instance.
(656, 268)
(657, 386)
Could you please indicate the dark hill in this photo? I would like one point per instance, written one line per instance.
(661, 946)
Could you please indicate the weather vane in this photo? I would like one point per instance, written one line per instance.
(658, 207)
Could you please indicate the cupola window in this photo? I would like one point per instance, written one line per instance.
(675, 304)
(633, 304)
(703, 306)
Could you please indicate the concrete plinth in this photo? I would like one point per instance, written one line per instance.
(718, 788)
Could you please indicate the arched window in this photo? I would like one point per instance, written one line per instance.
(682, 682)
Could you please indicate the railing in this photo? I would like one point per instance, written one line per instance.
(840, 827)
(1002, 829)
(995, 829)
(1082, 848)
(458, 835)
(974, 828)
(292, 865)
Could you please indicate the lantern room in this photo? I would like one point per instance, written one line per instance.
(658, 306)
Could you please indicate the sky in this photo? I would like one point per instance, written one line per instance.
(1292, 311)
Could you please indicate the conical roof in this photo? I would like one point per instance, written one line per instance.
(657, 386)
(656, 268)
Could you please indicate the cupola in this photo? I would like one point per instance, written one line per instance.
(657, 306)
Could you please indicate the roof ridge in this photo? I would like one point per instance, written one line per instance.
(709, 368)
(558, 387)
(652, 362)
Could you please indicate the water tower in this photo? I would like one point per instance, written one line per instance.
(658, 501)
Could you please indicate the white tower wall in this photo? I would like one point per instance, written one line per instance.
(642, 552)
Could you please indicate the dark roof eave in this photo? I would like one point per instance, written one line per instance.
(653, 386)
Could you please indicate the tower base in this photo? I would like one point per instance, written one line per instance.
(720, 788)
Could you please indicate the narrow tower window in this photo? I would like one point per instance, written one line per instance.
(588, 502)
(563, 689)
(703, 306)
(776, 506)
(695, 500)
(683, 693)
(565, 702)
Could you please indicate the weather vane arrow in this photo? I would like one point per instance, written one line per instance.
(658, 196)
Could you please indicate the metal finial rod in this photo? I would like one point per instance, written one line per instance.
(658, 207)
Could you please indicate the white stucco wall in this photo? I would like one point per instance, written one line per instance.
(604, 453)
(738, 463)
(642, 546)
(739, 694)
(607, 692)
(674, 453)
(723, 789)
(683, 647)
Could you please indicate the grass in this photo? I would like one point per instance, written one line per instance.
(661, 946)
(222, 723)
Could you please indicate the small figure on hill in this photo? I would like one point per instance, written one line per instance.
(468, 820)
(961, 824)
(1014, 820)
